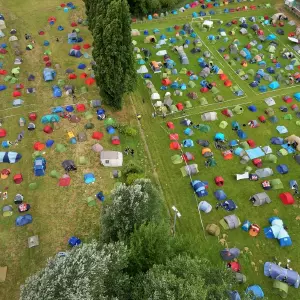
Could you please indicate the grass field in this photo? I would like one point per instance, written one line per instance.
(58, 213)
(177, 189)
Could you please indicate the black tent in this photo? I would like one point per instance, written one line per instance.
(69, 165)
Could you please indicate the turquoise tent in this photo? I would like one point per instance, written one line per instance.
(50, 119)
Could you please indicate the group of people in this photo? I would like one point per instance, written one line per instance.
(129, 151)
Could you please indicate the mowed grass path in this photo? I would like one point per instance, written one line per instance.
(177, 189)
(58, 213)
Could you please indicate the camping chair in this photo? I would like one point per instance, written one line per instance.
(281, 288)
(91, 201)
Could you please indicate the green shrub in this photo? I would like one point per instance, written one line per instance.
(132, 177)
(126, 130)
(132, 167)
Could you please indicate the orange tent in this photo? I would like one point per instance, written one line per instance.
(227, 155)
(223, 77)
(174, 146)
(83, 75)
(38, 146)
(204, 150)
(90, 81)
(227, 83)
(166, 81)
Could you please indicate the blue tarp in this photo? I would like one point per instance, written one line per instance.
(281, 129)
(10, 157)
(57, 109)
(255, 153)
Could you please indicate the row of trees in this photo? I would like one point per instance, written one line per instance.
(115, 74)
(135, 258)
(145, 7)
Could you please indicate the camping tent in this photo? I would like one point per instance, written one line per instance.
(200, 190)
(260, 199)
(230, 222)
(10, 157)
(75, 53)
(49, 74)
(189, 170)
(230, 254)
(287, 198)
(111, 158)
(209, 116)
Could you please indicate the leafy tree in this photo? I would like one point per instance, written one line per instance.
(183, 278)
(131, 206)
(86, 272)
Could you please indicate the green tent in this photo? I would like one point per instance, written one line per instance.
(235, 88)
(54, 174)
(60, 148)
(109, 122)
(281, 288)
(204, 128)
(183, 71)
(33, 186)
(176, 159)
(91, 201)
(251, 72)
(238, 110)
(15, 70)
(7, 211)
(244, 145)
(61, 82)
(173, 108)
(188, 104)
(89, 126)
(214, 90)
(82, 160)
(287, 117)
(211, 162)
(271, 158)
(88, 115)
(191, 84)
(276, 184)
(48, 52)
(203, 101)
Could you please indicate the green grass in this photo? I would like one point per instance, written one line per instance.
(58, 213)
(177, 190)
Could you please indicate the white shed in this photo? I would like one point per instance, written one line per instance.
(111, 158)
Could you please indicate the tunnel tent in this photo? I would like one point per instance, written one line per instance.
(189, 170)
(260, 199)
(230, 222)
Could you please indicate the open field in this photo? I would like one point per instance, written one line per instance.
(58, 212)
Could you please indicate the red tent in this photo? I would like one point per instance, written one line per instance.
(65, 180)
(80, 107)
(204, 90)
(209, 5)
(3, 51)
(48, 64)
(262, 119)
(234, 21)
(2, 132)
(260, 32)
(41, 32)
(174, 146)
(227, 83)
(18, 178)
(174, 136)
(248, 46)
(257, 162)
(63, 5)
(97, 135)
(90, 81)
(86, 46)
(46, 58)
(287, 99)
(38, 146)
(281, 24)
(166, 81)
(287, 198)
(170, 125)
(76, 47)
(48, 129)
(251, 143)
(188, 158)
(179, 106)
(16, 94)
(234, 266)
(73, 24)
(51, 19)
(266, 17)
(189, 73)
(223, 77)
(72, 76)
(219, 181)
(19, 86)
(3, 72)
(115, 140)
(83, 75)
(32, 116)
(294, 107)
(226, 112)
(176, 27)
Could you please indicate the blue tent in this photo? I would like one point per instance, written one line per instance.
(282, 169)
(271, 70)
(234, 295)
(188, 143)
(146, 32)
(49, 74)
(49, 143)
(69, 108)
(246, 226)
(212, 12)
(233, 143)
(188, 131)
(50, 119)
(220, 195)
(150, 17)
(262, 88)
(10, 157)
(277, 141)
(274, 271)
(235, 125)
(194, 15)
(173, 40)
(74, 38)
(81, 66)
(57, 109)
(110, 130)
(252, 108)
(253, 84)
(199, 188)
(297, 96)
(271, 37)
(17, 102)
(39, 166)
(162, 37)
(202, 13)
(75, 53)
(2, 17)
(100, 196)
(3, 87)
(229, 205)
(74, 241)
(60, 28)
(274, 85)
(241, 134)
(219, 136)
(89, 178)
(255, 291)
(238, 151)
(56, 91)
(23, 220)
(46, 43)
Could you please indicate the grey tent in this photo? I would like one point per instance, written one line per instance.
(297, 158)
(7, 211)
(230, 254)
(265, 172)
(260, 199)
(189, 170)
(230, 222)
(69, 165)
(33, 241)
(205, 72)
(240, 278)
(182, 55)
(18, 199)
(95, 103)
(203, 143)
(82, 137)
(97, 148)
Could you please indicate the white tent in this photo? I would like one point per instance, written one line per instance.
(243, 31)
(135, 32)
(143, 69)
(270, 101)
(2, 24)
(209, 116)
(267, 149)
(162, 42)
(111, 158)
(208, 24)
(158, 104)
(13, 38)
(139, 56)
(242, 176)
(155, 96)
(161, 53)
(1, 34)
